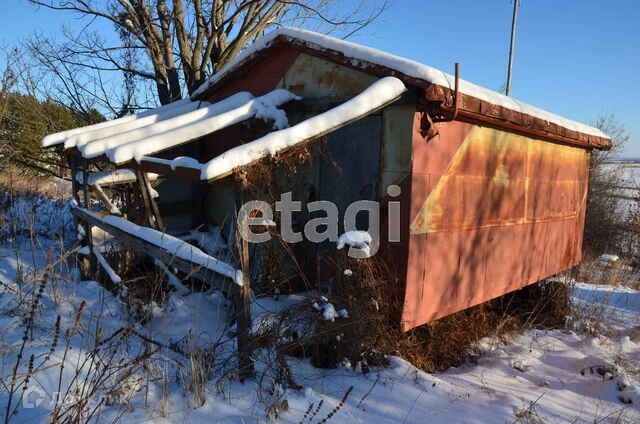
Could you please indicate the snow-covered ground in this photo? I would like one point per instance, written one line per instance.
(548, 376)
(534, 377)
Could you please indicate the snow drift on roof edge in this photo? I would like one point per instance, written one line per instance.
(375, 96)
(178, 132)
(62, 136)
(406, 66)
(98, 146)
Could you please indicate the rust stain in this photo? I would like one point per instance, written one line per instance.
(486, 184)
(272, 69)
(491, 211)
(322, 78)
(501, 178)
(395, 160)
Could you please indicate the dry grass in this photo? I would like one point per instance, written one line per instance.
(276, 174)
(19, 181)
(623, 272)
(451, 340)
(374, 302)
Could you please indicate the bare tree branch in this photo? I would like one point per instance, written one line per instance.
(187, 41)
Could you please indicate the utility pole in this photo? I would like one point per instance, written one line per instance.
(514, 22)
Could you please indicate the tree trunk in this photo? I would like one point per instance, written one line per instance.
(164, 95)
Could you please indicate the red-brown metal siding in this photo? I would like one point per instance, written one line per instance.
(261, 77)
(491, 211)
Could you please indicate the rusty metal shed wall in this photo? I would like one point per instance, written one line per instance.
(471, 109)
(484, 211)
(491, 211)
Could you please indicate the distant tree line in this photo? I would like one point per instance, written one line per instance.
(25, 120)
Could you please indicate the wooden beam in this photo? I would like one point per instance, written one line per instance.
(93, 265)
(146, 199)
(164, 170)
(73, 159)
(243, 314)
(152, 201)
(102, 196)
(622, 197)
(75, 185)
(622, 187)
(191, 269)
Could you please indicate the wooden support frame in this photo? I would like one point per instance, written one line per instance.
(152, 201)
(102, 196)
(75, 185)
(191, 269)
(93, 265)
(240, 295)
(105, 266)
(242, 302)
(151, 210)
(73, 159)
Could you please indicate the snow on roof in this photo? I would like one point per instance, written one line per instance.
(177, 162)
(189, 126)
(116, 176)
(379, 94)
(81, 140)
(150, 116)
(98, 146)
(365, 57)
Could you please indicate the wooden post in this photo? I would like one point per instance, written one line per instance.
(102, 196)
(151, 211)
(154, 205)
(243, 313)
(93, 265)
(75, 185)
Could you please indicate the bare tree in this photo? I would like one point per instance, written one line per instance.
(177, 44)
(604, 226)
(610, 125)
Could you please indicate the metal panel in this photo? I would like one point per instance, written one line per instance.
(314, 77)
(471, 109)
(396, 145)
(505, 211)
(351, 168)
(175, 191)
(258, 78)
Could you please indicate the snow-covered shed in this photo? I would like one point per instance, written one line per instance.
(493, 190)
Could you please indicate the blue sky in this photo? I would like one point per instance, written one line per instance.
(576, 58)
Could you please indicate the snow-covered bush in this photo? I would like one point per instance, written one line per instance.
(35, 214)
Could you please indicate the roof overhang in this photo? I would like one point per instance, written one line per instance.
(476, 104)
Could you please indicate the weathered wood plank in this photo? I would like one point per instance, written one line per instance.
(152, 201)
(93, 265)
(146, 200)
(191, 269)
(102, 196)
(242, 299)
